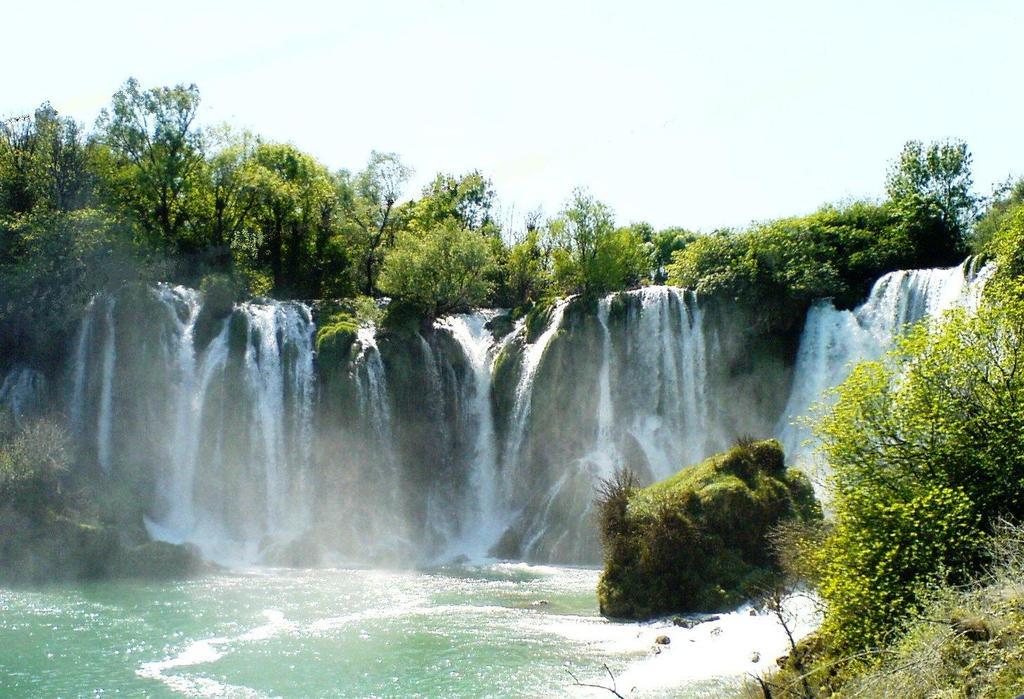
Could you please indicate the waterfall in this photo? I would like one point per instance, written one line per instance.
(833, 340)
(105, 420)
(604, 447)
(373, 397)
(191, 379)
(483, 517)
(23, 394)
(226, 428)
(77, 401)
(668, 381)
(532, 356)
(405, 445)
(629, 387)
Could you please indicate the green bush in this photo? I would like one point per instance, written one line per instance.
(335, 336)
(697, 541)
(443, 270)
(31, 467)
(779, 268)
(927, 452)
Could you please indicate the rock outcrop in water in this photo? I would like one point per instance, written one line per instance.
(698, 541)
(472, 435)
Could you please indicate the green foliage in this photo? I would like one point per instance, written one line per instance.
(31, 466)
(156, 162)
(697, 541)
(467, 200)
(522, 276)
(1007, 244)
(780, 268)
(336, 332)
(43, 164)
(589, 255)
(936, 178)
(369, 200)
(56, 264)
(1005, 204)
(665, 244)
(926, 453)
(439, 271)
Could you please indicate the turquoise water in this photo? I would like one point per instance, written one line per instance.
(498, 630)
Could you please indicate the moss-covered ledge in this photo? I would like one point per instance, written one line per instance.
(696, 542)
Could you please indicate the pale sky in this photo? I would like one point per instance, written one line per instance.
(678, 113)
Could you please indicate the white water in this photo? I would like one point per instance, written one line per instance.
(77, 401)
(192, 381)
(23, 394)
(532, 356)
(833, 341)
(484, 515)
(670, 355)
(640, 383)
(104, 427)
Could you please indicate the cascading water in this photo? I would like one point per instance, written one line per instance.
(445, 441)
(483, 517)
(531, 359)
(834, 340)
(636, 397)
(77, 399)
(23, 394)
(106, 408)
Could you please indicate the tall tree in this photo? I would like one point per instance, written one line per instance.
(158, 158)
(467, 199)
(443, 270)
(369, 200)
(43, 163)
(292, 210)
(935, 181)
(590, 254)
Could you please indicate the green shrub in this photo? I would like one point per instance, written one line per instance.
(697, 541)
(31, 467)
(927, 452)
(334, 338)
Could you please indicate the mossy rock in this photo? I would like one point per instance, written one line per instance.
(538, 318)
(696, 542)
(160, 560)
(501, 325)
(335, 339)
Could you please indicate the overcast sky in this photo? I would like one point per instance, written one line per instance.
(678, 113)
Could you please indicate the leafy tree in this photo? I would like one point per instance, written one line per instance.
(443, 270)
(524, 271)
(665, 244)
(1005, 202)
(591, 256)
(156, 161)
(293, 209)
(62, 259)
(934, 182)
(468, 200)
(369, 201)
(43, 163)
(231, 197)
